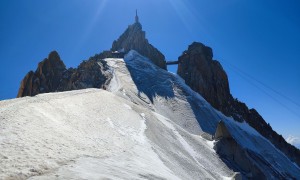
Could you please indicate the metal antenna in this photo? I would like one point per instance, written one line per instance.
(136, 17)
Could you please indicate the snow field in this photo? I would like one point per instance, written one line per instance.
(148, 125)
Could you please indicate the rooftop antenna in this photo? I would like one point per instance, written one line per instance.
(136, 17)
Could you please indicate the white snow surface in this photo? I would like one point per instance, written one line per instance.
(294, 140)
(148, 125)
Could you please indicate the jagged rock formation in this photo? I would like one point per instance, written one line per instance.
(207, 77)
(46, 78)
(196, 66)
(204, 75)
(52, 76)
(153, 118)
(134, 38)
(237, 158)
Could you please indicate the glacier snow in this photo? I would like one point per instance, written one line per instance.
(147, 125)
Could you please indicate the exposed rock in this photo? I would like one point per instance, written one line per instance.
(204, 75)
(235, 156)
(196, 66)
(89, 74)
(222, 131)
(26, 85)
(207, 77)
(52, 75)
(134, 38)
(45, 79)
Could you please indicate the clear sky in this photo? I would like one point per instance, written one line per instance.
(257, 42)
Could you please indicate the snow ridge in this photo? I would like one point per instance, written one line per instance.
(147, 125)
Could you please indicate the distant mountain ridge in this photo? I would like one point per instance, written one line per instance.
(196, 66)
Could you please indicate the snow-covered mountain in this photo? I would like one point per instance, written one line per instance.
(147, 125)
(196, 67)
(293, 140)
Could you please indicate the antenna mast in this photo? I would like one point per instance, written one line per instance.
(136, 17)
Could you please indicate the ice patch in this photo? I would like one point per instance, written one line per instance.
(127, 107)
(246, 127)
(141, 138)
(183, 142)
(114, 84)
(110, 122)
(293, 140)
(1, 139)
(113, 62)
(211, 144)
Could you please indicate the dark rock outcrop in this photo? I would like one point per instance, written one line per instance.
(89, 74)
(235, 156)
(134, 38)
(52, 76)
(204, 75)
(46, 78)
(207, 77)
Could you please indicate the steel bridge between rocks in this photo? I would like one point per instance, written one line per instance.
(172, 62)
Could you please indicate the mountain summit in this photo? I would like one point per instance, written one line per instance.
(135, 38)
(207, 77)
(147, 124)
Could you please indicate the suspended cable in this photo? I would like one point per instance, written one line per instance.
(266, 86)
(250, 80)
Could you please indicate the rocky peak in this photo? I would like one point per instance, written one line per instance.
(51, 75)
(199, 48)
(55, 61)
(207, 77)
(203, 74)
(52, 65)
(46, 78)
(134, 38)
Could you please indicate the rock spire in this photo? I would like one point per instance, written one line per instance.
(136, 17)
(207, 77)
(51, 75)
(134, 38)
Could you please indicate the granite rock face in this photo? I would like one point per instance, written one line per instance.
(204, 75)
(52, 76)
(46, 78)
(241, 159)
(134, 38)
(89, 74)
(207, 77)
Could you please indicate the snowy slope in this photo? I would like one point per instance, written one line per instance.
(148, 125)
(176, 101)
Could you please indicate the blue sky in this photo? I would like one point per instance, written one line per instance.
(257, 42)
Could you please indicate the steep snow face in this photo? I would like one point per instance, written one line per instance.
(148, 125)
(167, 95)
